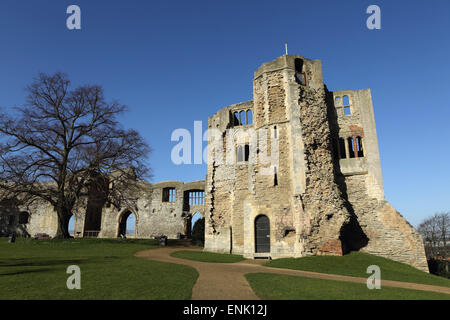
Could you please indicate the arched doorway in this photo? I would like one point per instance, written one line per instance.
(262, 234)
(71, 227)
(195, 217)
(197, 229)
(127, 225)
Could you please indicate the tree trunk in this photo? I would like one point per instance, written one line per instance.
(63, 223)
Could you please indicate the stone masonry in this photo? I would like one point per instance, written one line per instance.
(157, 211)
(323, 194)
(294, 172)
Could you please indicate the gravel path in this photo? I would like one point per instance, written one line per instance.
(226, 281)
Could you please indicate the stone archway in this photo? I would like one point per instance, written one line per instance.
(123, 224)
(71, 226)
(191, 219)
(194, 218)
(197, 228)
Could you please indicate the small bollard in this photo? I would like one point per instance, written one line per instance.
(12, 238)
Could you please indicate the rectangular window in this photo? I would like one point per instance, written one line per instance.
(196, 198)
(275, 176)
(235, 119)
(346, 102)
(249, 117)
(351, 147)
(347, 111)
(360, 147)
(168, 195)
(247, 152)
(300, 77)
(242, 153)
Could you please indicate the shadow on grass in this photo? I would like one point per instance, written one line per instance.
(18, 272)
(33, 263)
(187, 243)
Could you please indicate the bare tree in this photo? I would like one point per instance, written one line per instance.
(65, 144)
(435, 233)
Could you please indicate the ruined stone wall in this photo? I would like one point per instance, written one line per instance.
(388, 233)
(322, 198)
(218, 200)
(359, 123)
(164, 217)
(43, 220)
(152, 215)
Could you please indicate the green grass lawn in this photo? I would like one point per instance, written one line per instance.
(31, 269)
(356, 263)
(207, 256)
(282, 287)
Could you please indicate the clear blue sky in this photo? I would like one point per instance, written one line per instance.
(176, 62)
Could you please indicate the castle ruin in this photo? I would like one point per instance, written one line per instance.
(323, 193)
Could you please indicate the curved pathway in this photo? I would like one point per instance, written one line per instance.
(226, 281)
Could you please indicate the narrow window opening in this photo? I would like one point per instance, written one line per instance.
(236, 119)
(359, 147)
(240, 154)
(299, 74)
(275, 132)
(347, 111)
(247, 152)
(242, 118)
(351, 147)
(275, 176)
(243, 153)
(346, 101)
(249, 117)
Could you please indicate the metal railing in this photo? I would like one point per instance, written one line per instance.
(91, 233)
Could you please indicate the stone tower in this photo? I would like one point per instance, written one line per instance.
(297, 172)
